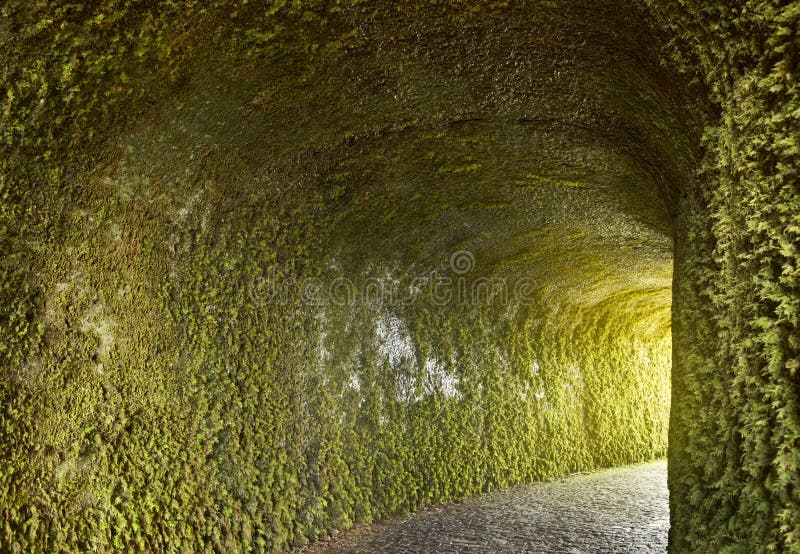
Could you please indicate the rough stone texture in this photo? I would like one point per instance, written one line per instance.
(618, 510)
(165, 166)
(168, 388)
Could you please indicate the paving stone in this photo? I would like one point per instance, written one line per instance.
(614, 511)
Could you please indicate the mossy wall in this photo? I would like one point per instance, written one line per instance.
(735, 428)
(199, 201)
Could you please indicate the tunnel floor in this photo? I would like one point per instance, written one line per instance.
(617, 510)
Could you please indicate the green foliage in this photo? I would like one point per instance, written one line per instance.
(161, 160)
(735, 427)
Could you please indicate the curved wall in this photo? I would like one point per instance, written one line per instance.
(272, 273)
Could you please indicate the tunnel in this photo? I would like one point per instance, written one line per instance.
(272, 270)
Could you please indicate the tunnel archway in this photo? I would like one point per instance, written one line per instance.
(273, 272)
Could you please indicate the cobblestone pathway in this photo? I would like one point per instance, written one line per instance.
(618, 510)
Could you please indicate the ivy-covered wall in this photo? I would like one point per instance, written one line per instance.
(271, 270)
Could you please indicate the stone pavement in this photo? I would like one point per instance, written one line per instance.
(618, 510)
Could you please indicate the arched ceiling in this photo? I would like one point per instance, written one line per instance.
(184, 313)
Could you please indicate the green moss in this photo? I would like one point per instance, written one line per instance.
(162, 400)
(734, 427)
(164, 165)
